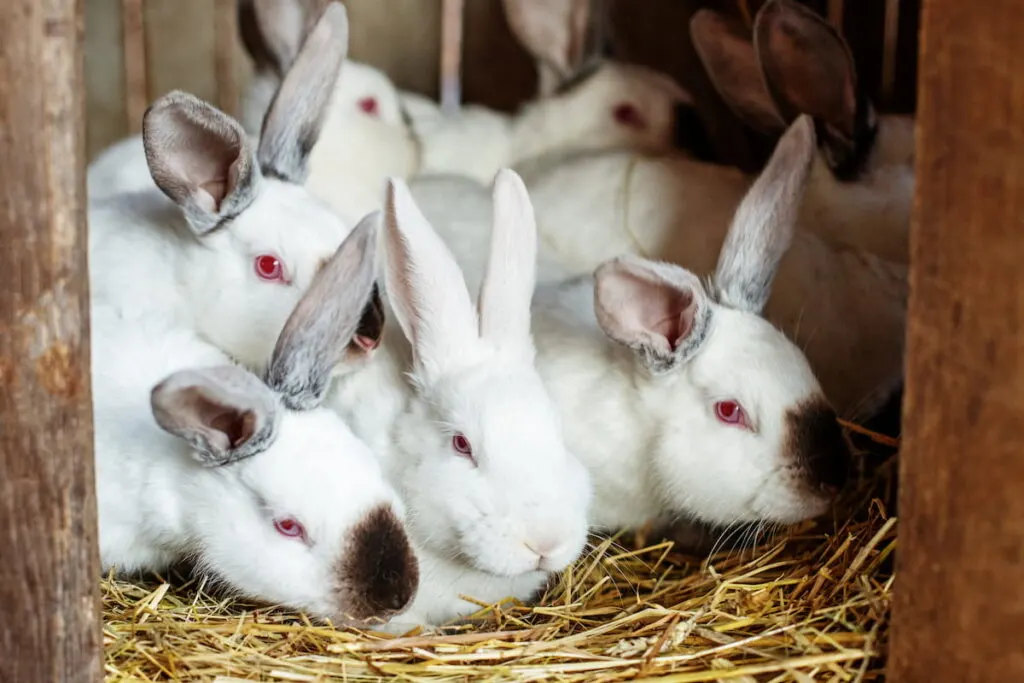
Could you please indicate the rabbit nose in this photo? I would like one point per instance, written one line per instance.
(378, 573)
(689, 133)
(820, 446)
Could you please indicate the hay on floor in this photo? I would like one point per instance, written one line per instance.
(810, 606)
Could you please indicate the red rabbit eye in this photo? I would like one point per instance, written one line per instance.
(268, 267)
(461, 445)
(730, 412)
(291, 527)
(369, 106)
(628, 115)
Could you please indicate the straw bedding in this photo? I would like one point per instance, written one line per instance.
(809, 605)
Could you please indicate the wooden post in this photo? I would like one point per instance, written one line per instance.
(136, 79)
(451, 55)
(959, 607)
(49, 608)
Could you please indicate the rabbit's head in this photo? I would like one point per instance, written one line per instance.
(743, 431)
(796, 63)
(608, 103)
(272, 33)
(487, 476)
(258, 236)
(289, 506)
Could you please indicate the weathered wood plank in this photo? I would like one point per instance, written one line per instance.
(49, 629)
(958, 601)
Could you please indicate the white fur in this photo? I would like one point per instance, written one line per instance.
(845, 307)
(651, 439)
(144, 259)
(150, 254)
(477, 141)
(159, 504)
(357, 151)
(443, 370)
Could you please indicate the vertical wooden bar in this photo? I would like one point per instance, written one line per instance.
(136, 81)
(835, 14)
(225, 35)
(49, 628)
(890, 43)
(958, 604)
(451, 54)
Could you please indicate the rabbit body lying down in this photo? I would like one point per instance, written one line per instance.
(231, 260)
(453, 404)
(197, 458)
(679, 397)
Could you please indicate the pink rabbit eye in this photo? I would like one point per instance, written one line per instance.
(730, 412)
(269, 268)
(369, 106)
(290, 527)
(628, 115)
(462, 446)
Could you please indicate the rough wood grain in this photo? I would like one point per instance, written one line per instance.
(136, 81)
(959, 607)
(225, 36)
(49, 628)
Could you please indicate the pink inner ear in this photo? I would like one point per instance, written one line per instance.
(626, 114)
(369, 106)
(365, 343)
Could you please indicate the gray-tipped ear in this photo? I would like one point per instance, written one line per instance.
(762, 228)
(295, 116)
(729, 59)
(199, 157)
(658, 310)
(808, 69)
(271, 31)
(317, 334)
(562, 35)
(225, 413)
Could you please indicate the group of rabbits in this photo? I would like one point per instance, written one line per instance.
(368, 423)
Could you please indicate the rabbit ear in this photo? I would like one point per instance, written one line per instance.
(658, 310)
(199, 157)
(560, 34)
(731, 64)
(763, 225)
(318, 332)
(272, 31)
(225, 413)
(296, 114)
(507, 288)
(425, 286)
(808, 69)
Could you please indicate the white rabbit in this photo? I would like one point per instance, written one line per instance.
(679, 397)
(364, 139)
(240, 238)
(271, 495)
(469, 435)
(598, 104)
(845, 308)
(862, 186)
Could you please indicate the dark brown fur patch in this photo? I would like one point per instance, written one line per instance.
(379, 574)
(817, 442)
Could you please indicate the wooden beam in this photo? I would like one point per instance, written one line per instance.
(136, 76)
(958, 607)
(451, 55)
(49, 628)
